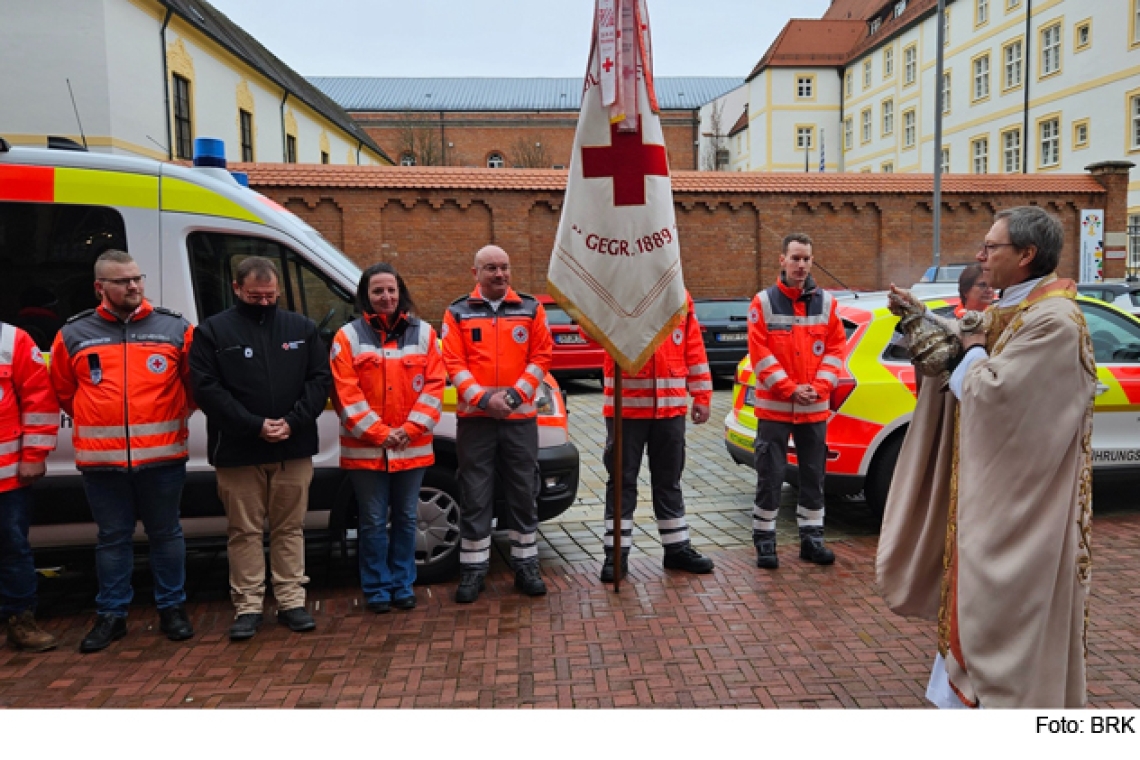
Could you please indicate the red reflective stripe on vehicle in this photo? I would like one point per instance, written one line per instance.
(27, 183)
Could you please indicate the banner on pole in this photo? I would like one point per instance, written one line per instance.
(1092, 245)
(616, 264)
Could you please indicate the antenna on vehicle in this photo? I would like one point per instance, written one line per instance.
(76, 109)
(156, 142)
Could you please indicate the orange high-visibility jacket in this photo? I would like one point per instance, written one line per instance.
(678, 368)
(795, 337)
(382, 381)
(487, 351)
(29, 413)
(126, 384)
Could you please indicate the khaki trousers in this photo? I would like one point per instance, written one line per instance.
(278, 492)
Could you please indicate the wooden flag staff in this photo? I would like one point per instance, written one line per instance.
(619, 523)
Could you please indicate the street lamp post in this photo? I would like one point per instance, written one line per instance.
(939, 91)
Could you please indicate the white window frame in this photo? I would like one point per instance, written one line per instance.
(866, 74)
(1134, 121)
(495, 160)
(1012, 69)
(866, 124)
(980, 155)
(947, 84)
(1011, 150)
(888, 63)
(1051, 49)
(910, 65)
(910, 119)
(981, 66)
(848, 133)
(888, 116)
(805, 87)
(945, 159)
(1049, 142)
(981, 12)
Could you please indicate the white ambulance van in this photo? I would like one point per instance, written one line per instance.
(188, 228)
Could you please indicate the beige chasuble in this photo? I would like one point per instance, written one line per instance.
(987, 524)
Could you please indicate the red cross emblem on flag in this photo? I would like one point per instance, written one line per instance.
(628, 161)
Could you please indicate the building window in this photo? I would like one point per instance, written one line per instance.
(1011, 4)
(1134, 117)
(1134, 241)
(875, 24)
(1011, 150)
(981, 12)
(1082, 36)
(848, 133)
(945, 159)
(849, 83)
(1080, 134)
(982, 77)
(888, 167)
(946, 29)
(245, 118)
(1051, 49)
(324, 156)
(805, 87)
(495, 161)
(900, 6)
(183, 129)
(290, 149)
(1011, 56)
(1136, 22)
(866, 135)
(888, 63)
(408, 159)
(721, 160)
(908, 128)
(804, 137)
(946, 92)
(910, 65)
(866, 73)
(980, 150)
(1050, 132)
(888, 117)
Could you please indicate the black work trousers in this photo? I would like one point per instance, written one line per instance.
(507, 451)
(771, 458)
(665, 441)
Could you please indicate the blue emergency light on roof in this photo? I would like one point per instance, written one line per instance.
(241, 177)
(209, 151)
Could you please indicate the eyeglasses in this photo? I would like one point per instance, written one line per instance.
(255, 298)
(124, 282)
(492, 268)
(989, 248)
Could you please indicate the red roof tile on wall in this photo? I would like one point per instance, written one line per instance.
(554, 180)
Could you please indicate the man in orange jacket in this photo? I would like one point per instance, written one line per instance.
(654, 403)
(497, 349)
(121, 371)
(796, 342)
(29, 421)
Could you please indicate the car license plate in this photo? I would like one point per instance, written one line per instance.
(731, 337)
(750, 397)
(569, 339)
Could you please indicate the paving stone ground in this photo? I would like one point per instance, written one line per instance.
(802, 636)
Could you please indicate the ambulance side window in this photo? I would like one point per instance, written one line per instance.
(214, 258)
(1115, 337)
(47, 256)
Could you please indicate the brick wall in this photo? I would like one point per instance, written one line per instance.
(469, 138)
(869, 230)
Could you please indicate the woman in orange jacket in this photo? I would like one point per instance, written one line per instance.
(388, 381)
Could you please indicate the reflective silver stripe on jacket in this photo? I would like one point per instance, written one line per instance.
(9, 471)
(700, 385)
(9, 447)
(765, 363)
(40, 418)
(833, 361)
(40, 441)
(410, 453)
(662, 383)
(536, 370)
(787, 406)
(472, 409)
(461, 377)
(772, 379)
(7, 343)
(771, 319)
(367, 421)
(649, 403)
(365, 452)
(830, 377)
(422, 419)
(429, 400)
(120, 431)
(473, 392)
(354, 409)
(525, 387)
(698, 369)
(83, 456)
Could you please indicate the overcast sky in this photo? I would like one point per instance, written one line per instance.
(504, 38)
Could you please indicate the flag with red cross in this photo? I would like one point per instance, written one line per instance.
(616, 264)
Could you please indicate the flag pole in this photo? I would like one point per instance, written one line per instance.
(619, 523)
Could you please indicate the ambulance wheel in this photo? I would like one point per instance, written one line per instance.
(882, 470)
(437, 530)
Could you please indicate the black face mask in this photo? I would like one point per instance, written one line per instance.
(255, 311)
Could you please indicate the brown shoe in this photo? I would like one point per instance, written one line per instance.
(23, 633)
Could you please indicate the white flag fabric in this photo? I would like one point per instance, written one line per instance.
(616, 264)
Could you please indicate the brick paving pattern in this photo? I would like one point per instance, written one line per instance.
(802, 636)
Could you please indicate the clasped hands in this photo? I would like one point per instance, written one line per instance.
(275, 431)
(805, 395)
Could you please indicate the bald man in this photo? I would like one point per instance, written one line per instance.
(497, 348)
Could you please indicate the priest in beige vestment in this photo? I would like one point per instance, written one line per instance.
(987, 525)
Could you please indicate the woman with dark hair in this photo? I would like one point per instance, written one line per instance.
(388, 380)
(975, 292)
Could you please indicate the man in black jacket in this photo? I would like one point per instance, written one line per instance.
(262, 377)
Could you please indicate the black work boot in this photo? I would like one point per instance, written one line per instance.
(812, 548)
(175, 624)
(107, 628)
(529, 581)
(688, 559)
(607, 574)
(765, 542)
(470, 584)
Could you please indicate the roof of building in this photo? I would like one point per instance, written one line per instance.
(218, 27)
(812, 42)
(554, 180)
(501, 93)
(860, 10)
(741, 123)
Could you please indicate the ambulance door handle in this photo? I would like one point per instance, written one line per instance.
(1100, 387)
